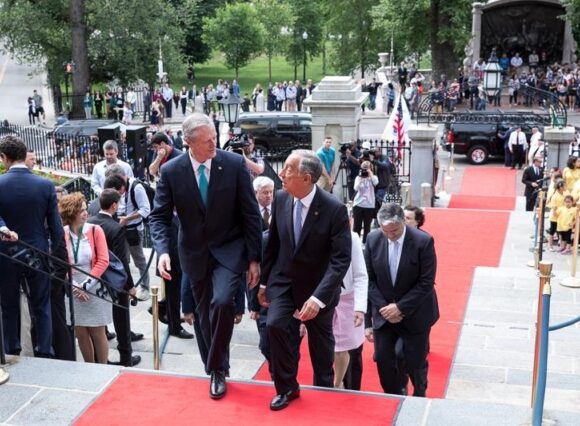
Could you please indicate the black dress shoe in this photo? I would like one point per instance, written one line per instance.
(217, 385)
(281, 401)
(135, 337)
(182, 334)
(110, 336)
(135, 359)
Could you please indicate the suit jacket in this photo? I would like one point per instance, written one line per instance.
(530, 177)
(414, 290)
(317, 263)
(28, 206)
(116, 241)
(228, 230)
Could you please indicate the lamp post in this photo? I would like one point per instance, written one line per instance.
(492, 75)
(231, 109)
(304, 38)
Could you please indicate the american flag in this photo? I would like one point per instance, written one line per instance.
(397, 130)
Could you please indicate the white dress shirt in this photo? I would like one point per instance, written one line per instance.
(400, 241)
(195, 164)
(356, 279)
(98, 178)
(306, 202)
(517, 138)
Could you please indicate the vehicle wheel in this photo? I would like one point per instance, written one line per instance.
(478, 155)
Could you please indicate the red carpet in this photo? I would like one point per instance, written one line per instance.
(150, 399)
(489, 181)
(482, 202)
(459, 252)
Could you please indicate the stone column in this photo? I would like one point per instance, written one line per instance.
(336, 110)
(558, 145)
(422, 138)
(476, 31)
(569, 45)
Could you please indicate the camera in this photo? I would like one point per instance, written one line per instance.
(364, 173)
(238, 143)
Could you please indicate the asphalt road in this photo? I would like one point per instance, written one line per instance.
(17, 81)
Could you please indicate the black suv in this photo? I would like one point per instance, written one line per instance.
(479, 141)
(277, 131)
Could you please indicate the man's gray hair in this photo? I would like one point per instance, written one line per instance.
(115, 169)
(309, 163)
(110, 144)
(262, 182)
(194, 122)
(390, 213)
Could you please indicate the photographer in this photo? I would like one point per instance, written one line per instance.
(385, 171)
(254, 163)
(350, 155)
(364, 199)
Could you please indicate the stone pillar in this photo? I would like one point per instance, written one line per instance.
(476, 32)
(422, 138)
(336, 110)
(558, 145)
(569, 45)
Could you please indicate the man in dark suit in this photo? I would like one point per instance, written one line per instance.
(22, 191)
(219, 235)
(117, 242)
(264, 189)
(531, 178)
(401, 263)
(307, 255)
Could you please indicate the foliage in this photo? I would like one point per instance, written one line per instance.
(190, 16)
(54, 177)
(573, 15)
(277, 17)
(355, 41)
(306, 20)
(236, 32)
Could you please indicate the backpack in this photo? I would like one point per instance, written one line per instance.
(148, 190)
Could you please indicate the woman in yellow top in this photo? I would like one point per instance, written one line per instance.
(554, 202)
(566, 217)
(572, 172)
(555, 176)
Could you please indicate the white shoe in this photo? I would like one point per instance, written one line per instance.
(143, 294)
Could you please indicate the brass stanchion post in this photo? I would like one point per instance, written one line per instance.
(155, 311)
(572, 281)
(545, 274)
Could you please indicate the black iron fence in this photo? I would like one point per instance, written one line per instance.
(73, 154)
(394, 158)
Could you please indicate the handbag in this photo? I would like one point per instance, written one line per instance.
(115, 276)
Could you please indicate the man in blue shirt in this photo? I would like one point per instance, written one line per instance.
(327, 154)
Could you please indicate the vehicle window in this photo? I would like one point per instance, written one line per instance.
(285, 125)
(250, 126)
(305, 125)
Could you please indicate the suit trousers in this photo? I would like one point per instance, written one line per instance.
(353, 377)
(39, 301)
(518, 156)
(122, 323)
(62, 341)
(531, 201)
(320, 343)
(415, 353)
(173, 297)
(214, 297)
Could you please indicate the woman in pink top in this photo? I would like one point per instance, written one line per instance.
(87, 249)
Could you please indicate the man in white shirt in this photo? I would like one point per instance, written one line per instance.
(534, 139)
(517, 144)
(167, 94)
(111, 151)
(516, 63)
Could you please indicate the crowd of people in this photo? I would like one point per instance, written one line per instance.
(292, 254)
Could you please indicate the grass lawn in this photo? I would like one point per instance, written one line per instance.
(255, 72)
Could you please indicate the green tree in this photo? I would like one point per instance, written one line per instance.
(306, 15)
(276, 17)
(442, 26)
(355, 42)
(236, 32)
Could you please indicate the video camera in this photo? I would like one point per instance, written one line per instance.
(238, 143)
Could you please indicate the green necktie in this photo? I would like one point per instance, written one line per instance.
(203, 184)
